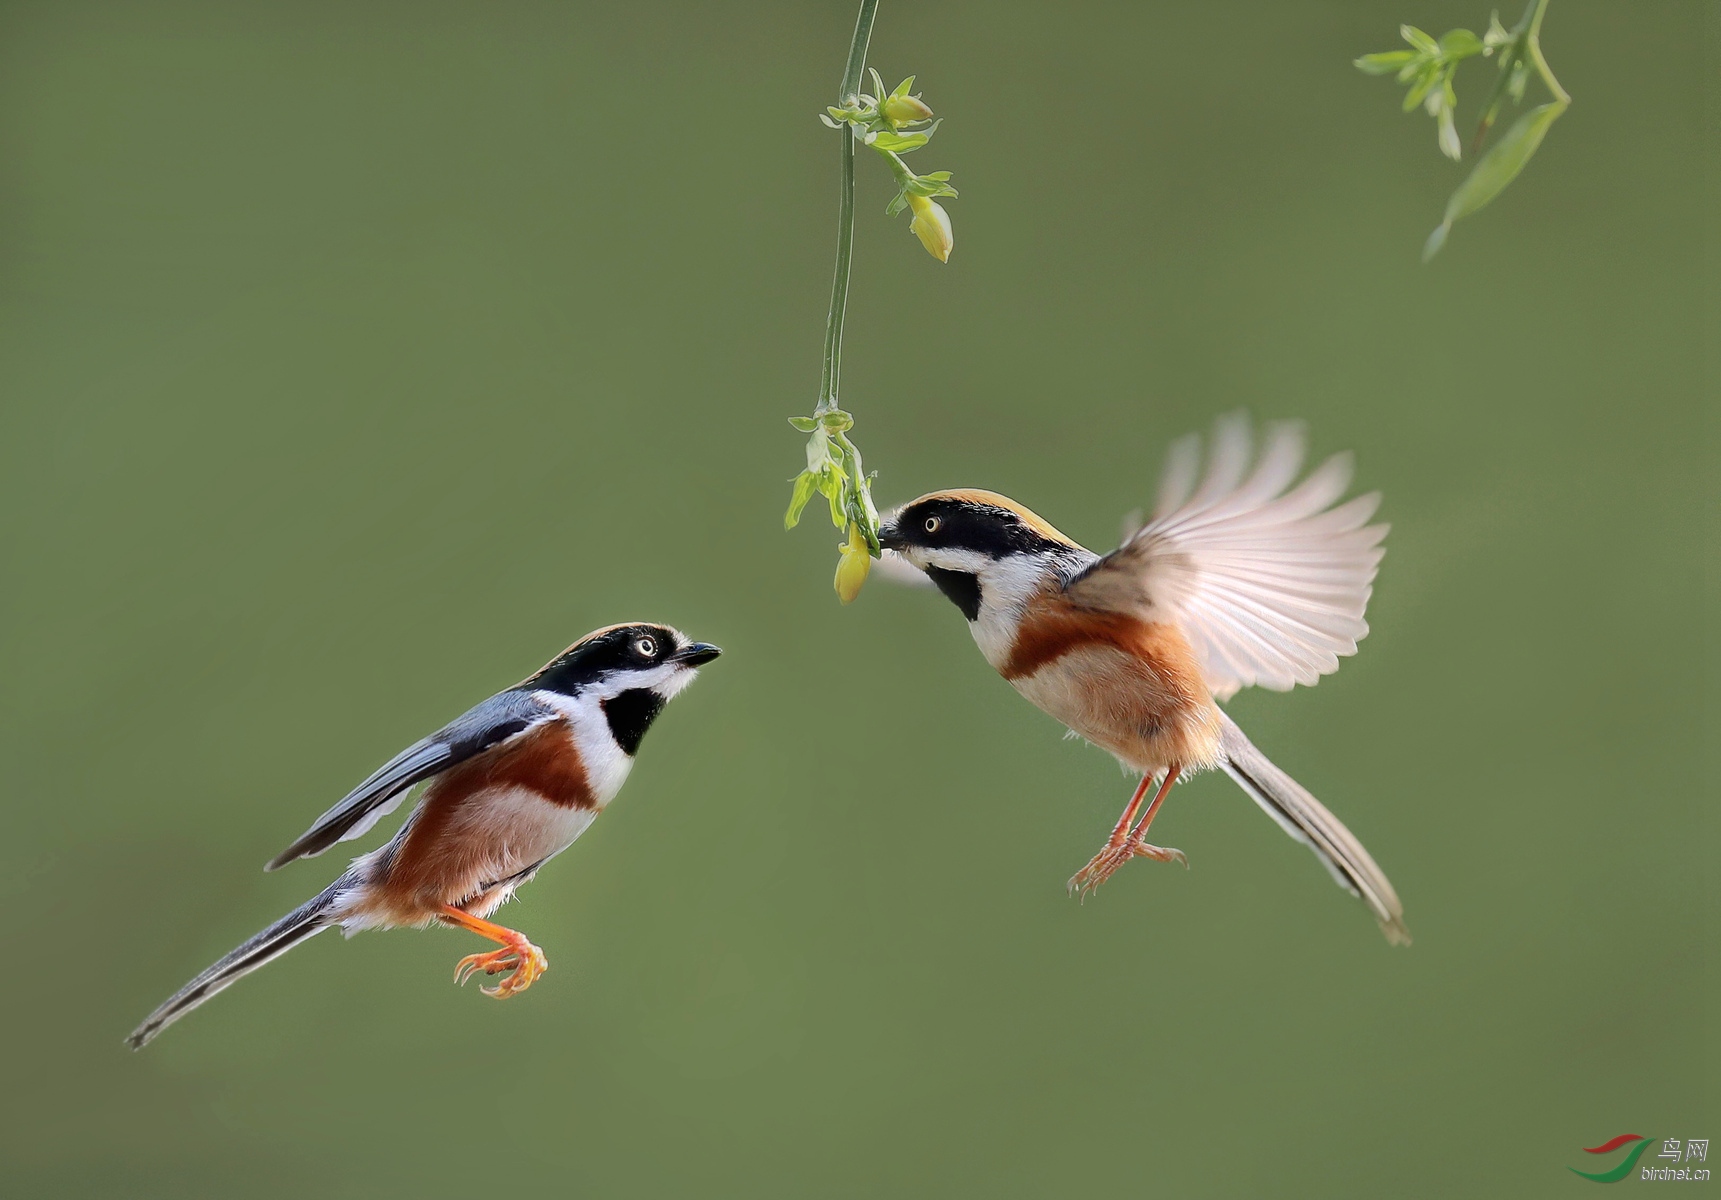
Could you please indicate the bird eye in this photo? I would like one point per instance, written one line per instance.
(932, 524)
(645, 647)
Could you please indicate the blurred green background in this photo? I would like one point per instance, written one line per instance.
(357, 357)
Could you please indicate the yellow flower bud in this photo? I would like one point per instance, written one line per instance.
(931, 224)
(853, 565)
(900, 110)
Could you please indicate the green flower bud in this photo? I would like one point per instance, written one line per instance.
(931, 224)
(900, 110)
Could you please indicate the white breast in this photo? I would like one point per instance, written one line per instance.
(1006, 585)
(490, 837)
(607, 764)
(516, 828)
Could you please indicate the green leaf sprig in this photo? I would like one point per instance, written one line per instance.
(833, 468)
(892, 124)
(1428, 67)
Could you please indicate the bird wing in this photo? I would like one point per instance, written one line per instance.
(489, 724)
(1269, 584)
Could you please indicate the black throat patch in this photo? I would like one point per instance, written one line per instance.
(630, 715)
(962, 587)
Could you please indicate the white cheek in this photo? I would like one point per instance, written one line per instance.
(677, 682)
(970, 562)
(611, 686)
(1007, 584)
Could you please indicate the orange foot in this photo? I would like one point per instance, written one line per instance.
(525, 960)
(518, 955)
(1103, 865)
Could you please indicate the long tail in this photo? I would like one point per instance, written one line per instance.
(1307, 820)
(310, 918)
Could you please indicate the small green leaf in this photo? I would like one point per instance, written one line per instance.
(805, 484)
(1496, 169)
(1503, 161)
(804, 424)
(898, 143)
(1418, 39)
(1384, 64)
(902, 88)
(929, 186)
(896, 205)
(1459, 43)
(832, 486)
(1423, 85)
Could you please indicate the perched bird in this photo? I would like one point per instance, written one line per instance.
(511, 784)
(1235, 581)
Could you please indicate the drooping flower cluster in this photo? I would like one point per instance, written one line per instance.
(895, 124)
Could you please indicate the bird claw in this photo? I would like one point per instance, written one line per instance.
(1103, 865)
(524, 960)
(1164, 854)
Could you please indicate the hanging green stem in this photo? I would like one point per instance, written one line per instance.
(850, 88)
(891, 124)
(1534, 43)
(831, 376)
(847, 95)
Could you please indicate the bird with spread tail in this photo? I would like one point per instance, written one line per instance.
(509, 786)
(1244, 576)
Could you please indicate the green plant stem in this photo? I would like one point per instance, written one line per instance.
(831, 373)
(857, 52)
(1533, 44)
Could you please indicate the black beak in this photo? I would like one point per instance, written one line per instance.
(696, 655)
(888, 537)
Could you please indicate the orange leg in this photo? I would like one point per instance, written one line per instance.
(517, 955)
(1126, 842)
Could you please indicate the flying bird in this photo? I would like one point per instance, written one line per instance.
(1242, 577)
(509, 786)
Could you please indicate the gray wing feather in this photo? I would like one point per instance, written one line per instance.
(490, 723)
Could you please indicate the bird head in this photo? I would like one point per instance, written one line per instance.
(978, 546)
(628, 672)
(625, 658)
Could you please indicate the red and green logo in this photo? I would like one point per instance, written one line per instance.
(1615, 1174)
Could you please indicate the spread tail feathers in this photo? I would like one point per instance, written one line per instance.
(309, 918)
(1307, 820)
